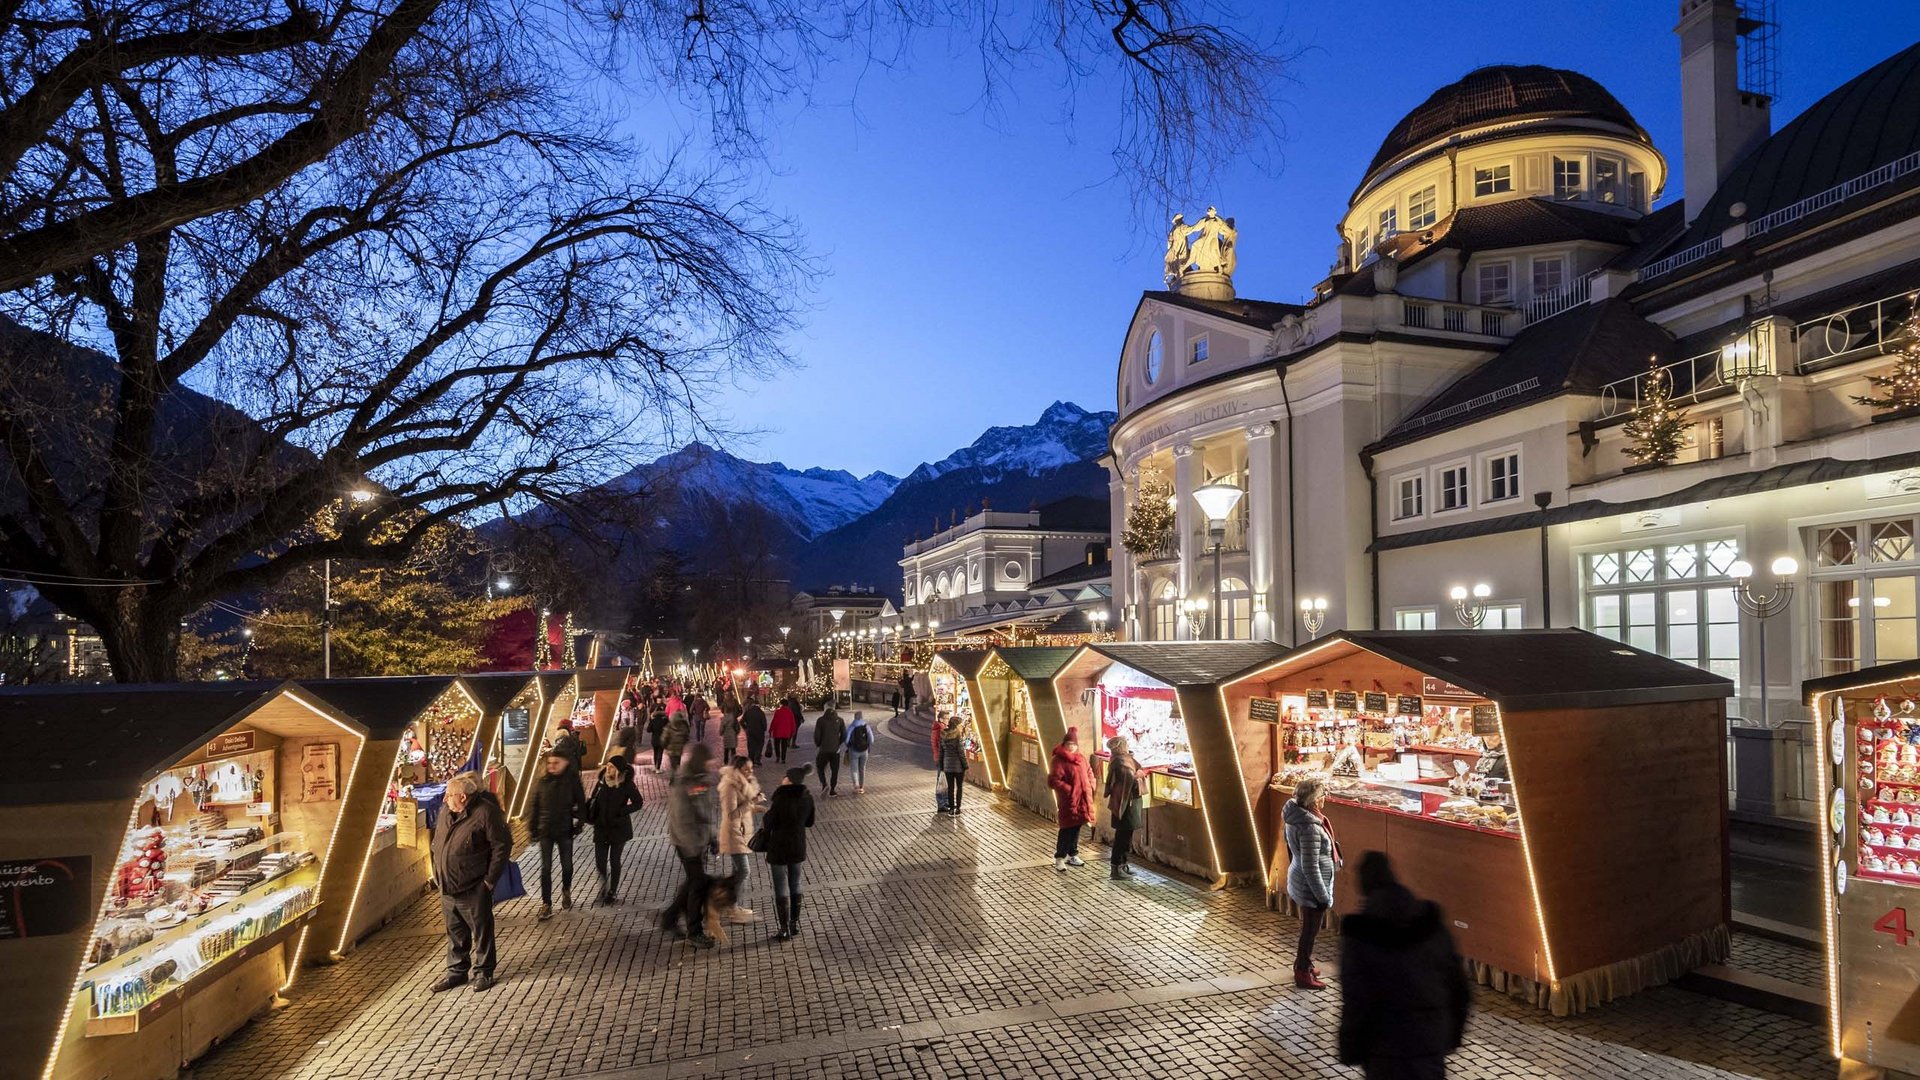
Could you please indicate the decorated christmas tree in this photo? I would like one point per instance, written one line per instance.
(1900, 386)
(1150, 520)
(1658, 429)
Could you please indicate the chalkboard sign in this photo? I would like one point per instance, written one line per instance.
(516, 726)
(42, 897)
(1486, 720)
(1264, 710)
(1316, 699)
(1346, 699)
(1374, 704)
(1408, 705)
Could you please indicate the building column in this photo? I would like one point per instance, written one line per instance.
(1260, 503)
(1183, 512)
(1122, 564)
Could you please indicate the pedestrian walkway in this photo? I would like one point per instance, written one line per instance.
(932, 948)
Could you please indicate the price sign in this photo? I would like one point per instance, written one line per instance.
(1375, 704)
(1264, 710)
(1408, 705)
(1346, 700)
(1486, 720)
(1316, 699)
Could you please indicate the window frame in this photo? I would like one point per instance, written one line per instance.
(1439, 472)
(1576, 163)
(1487, 459)
(1536, 263)
(1430, 197)
(1153, 357)
(1480, 282)
(1399, 496)
(1615, 191)
(1863, 571)
(1663, 585)
(1199, 349)
(1428, 617)
(1387, 221)
(1495, 184)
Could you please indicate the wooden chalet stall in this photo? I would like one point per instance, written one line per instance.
(555, 696)
(955, 675)
(1561, 796)
(596, 699)
(1165, 698)
(165, 852)
(508, 704)
(1021, 717)
(421, 731)
(1867, 726)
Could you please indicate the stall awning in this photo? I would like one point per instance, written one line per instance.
(967, 662)
(1537, 669)
(62, 744)
(496, 690)
(1904, 671)
(1190, 663)
(552, 683)
(1036, 661)
(384, 706)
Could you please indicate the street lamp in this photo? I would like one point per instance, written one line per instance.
(784, 631)
(1471, 614)
(1217, 501)
(1098, 618)
(933, 629)
(1764, 606)
(1196, 610)
(1313, 613)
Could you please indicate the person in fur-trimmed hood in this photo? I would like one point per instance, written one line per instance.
(1404, 992)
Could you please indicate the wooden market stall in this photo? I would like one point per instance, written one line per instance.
(954, 674)
(555, 695)
(596, 700)
(172, 845)
(508, 701)
(1021, 717)
(421, 731)
(1560, 795)
(1867, 726)
(1165, 698)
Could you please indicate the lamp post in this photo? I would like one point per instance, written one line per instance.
(1471, 612)
(1217, 501)
(784, 631)
(1098, 618)
(746, 645)
(1764, 606)
(1313, 613)
(1196, 612)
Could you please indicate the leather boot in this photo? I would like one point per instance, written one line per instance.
(1305, 979)
(780, 909)
(793, 917)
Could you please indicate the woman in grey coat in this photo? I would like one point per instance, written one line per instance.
(1315, 858)
(953, 761)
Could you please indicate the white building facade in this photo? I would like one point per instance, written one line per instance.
(1449, 410)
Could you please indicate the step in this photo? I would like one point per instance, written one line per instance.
(1755, 991)
(1789, 933)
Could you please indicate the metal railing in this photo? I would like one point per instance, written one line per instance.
(1690, 380)
(1869, 329)
(1421, 314)
(1787, 215)
(1464, 407)
(1570, 295)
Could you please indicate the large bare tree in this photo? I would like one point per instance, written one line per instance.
(380, 263)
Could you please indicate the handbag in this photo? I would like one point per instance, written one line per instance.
(758, 841)
(511, 885)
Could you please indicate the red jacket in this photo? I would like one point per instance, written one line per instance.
(786, 723)
(1072, 787)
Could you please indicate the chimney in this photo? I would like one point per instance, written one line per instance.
(1720, 121)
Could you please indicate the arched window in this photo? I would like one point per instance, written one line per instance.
(1155, 357)
(926, 589)
(940, 587)
(1236, 610)
(1165, 613)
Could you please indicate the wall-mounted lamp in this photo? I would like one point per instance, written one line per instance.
(1470, 605)
(1313, 614)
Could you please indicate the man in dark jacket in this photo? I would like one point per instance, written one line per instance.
(829, 735)
(470, 848)
(557, 807)
(754, 722)
(1404, 992)
(569, 746)
(906, 693)
(693, 827)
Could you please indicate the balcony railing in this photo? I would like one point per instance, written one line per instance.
(1689, 380)
(1570, 295)
(1421, 314)
(1863, 330)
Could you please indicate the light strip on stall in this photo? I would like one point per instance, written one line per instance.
(1828, 902)
(1200, 794)
(346, 925)
(1246, 797)
(339, 816)
(322, 714)
(989, 751)
(106, 895)
(1526, 847)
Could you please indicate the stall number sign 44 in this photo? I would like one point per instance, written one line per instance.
(1894, 925)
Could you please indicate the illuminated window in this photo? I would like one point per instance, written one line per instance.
(1492, 180)
(1423, 207)
(1672, 599)
(1165, 614)
(1156, 355)
(1609, 185)
(1236, 610)
(1416, 618)
(1865, 585)
(1503, 617)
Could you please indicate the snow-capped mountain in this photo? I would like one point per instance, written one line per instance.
(809, 502)
(1064, 434)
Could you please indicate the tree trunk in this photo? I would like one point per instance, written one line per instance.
(143, 643)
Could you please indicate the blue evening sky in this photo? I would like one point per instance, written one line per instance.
(982, 266)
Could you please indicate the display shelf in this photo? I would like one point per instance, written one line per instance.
(164, 1003)
(166, 937)
(1422, 748)
(228, 858)
(1380, 808)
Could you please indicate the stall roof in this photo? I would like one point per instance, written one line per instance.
(495, 690)
(67, 744)
(1904, 671)
(1037, 661)
(552, 682)
(384, 705)
(1541, 669)
(603, 678)
(1190, 663)
(967, 662)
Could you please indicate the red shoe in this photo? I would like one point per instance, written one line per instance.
(1308, 980)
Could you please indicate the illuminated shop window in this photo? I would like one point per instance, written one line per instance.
(1865, 589)
(1416, 618)
(1672, 599)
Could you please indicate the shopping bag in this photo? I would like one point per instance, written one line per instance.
(511, 885)
(939, 794)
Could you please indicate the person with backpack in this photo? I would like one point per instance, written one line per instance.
(693, 828)
(1404, 992)
(859, 744)
(829, 735)
(789, 816)
(614, 798)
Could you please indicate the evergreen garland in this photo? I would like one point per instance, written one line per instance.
(1900, 386)
(1658, 429)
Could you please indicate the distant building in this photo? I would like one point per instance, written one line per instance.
(859, 609)
(1009, 574)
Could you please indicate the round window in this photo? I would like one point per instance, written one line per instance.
(1013, 570)
(1156, 353)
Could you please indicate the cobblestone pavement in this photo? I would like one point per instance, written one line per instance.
(932, 948)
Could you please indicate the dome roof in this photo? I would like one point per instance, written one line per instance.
(1869, 121)
(1502, 92)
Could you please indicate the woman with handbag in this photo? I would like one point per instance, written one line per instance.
(614, 798)
(740, 799)
(789, 816)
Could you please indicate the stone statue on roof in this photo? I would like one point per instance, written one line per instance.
(1201, 257)
(1179, 255)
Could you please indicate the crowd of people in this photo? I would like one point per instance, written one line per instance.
(1404, 989)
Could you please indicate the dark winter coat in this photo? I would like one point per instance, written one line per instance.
(657, 726)
(754, 722)
(557, 803)
(829, 733)
(607, 810)
(1404, 992)
(1072, 787)
(1310, 845)
(1123, 792)
(953, 752)
(471, 849)
(789, 816)
(570, 747)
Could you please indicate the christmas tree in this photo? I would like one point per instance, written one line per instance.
(1150, 520)
(1658, 429)
(1900, 386)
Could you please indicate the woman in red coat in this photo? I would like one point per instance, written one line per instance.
(1072, 786)
(784, 726)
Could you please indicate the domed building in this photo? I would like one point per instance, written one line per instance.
(1533, 369)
